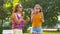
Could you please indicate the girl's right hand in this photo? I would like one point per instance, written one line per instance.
(18, 22)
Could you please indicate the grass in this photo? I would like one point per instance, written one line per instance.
(51, 32)
(48, 33)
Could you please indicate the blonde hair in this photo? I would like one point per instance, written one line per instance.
(40, 7)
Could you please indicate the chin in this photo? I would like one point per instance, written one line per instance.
(20, 10)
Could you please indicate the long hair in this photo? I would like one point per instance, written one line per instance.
(15, 8)
(39, 7)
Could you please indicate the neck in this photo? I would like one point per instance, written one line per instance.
(19, 12)
(36, 12)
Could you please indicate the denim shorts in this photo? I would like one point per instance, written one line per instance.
(37, 30)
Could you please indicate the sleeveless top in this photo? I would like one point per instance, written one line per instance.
(18, 26)
(37, 20)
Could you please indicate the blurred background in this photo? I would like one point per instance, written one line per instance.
(51, 10)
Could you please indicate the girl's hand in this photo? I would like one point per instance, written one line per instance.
(28, 19)
(18, 22)
(21, 19)
(42, 20)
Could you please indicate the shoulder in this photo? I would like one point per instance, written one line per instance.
(13, 14)
(41, 12)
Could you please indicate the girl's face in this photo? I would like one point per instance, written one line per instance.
(19, 8)
(37, 8)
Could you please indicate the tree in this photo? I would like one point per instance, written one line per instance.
(50, 9)
(1, 10)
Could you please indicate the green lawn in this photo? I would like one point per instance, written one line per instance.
(48, 33)
(51, 32)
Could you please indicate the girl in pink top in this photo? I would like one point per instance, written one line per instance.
(17, 19)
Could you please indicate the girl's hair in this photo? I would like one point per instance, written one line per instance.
(15, 8)
(40, 7)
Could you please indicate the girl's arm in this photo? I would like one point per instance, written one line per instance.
(14, 17)
(42, 17)
(32, 16)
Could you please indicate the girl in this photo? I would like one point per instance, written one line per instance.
(17, 19)
(37, 18)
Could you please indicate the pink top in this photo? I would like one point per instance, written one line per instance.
(18, 26)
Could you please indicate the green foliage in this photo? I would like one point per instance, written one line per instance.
(51, 9)
(28, 23)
